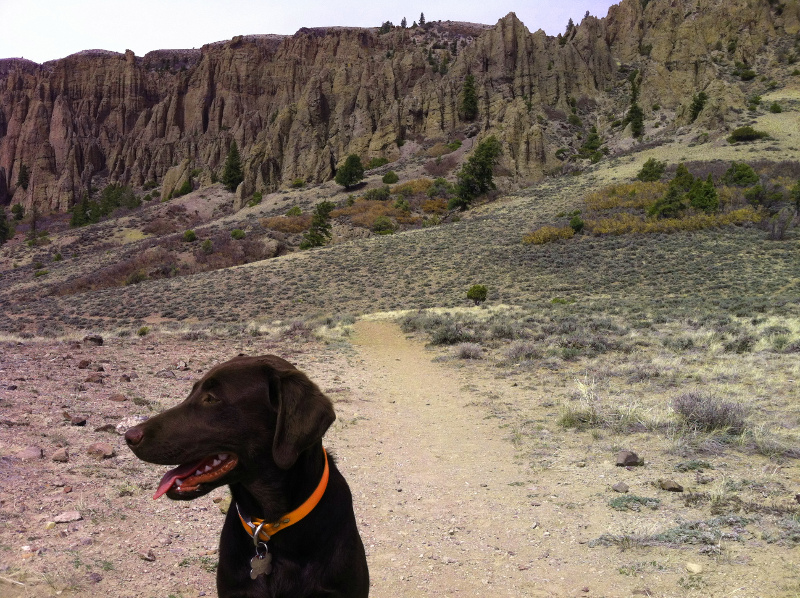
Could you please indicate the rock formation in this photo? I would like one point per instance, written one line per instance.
(298, 105)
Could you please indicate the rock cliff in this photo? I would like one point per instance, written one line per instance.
(298, 105)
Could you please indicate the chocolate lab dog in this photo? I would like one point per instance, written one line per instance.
(256, 424)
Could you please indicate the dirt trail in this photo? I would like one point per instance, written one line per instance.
(445, 509)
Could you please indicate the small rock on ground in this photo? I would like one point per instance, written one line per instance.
(628, 458)
(670, 485)
(29, 453)
(68, 517)
(101, 450)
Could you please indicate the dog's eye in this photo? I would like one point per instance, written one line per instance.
(210, 400)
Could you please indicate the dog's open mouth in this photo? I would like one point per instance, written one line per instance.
(188, 477)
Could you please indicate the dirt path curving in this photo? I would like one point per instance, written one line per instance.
(443, 505)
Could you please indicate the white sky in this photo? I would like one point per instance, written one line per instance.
(42, 30)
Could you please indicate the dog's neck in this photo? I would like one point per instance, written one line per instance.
(276, 492)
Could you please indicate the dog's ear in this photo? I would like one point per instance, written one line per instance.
(304, 415)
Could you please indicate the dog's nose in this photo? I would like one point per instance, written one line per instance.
(134, 436)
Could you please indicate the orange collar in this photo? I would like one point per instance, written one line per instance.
(266, 530)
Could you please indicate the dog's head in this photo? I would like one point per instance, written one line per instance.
(242, 418)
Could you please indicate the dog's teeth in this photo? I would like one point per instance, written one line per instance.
(208, 468)
(223, 456)
(216, 462)
(198, 472)
(178, 483)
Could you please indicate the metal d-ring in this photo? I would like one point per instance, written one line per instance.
(256, 540)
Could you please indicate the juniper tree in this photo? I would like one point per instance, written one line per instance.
(320, 231)
(351, 172)
(5, 229)
(475, 177)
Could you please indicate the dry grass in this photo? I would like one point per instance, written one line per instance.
(288, 224)
(548, 234)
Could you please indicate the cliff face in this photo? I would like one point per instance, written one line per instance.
(298, 105)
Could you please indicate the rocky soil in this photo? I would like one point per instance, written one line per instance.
(447, 496)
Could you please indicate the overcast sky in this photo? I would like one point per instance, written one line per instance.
(42, 30)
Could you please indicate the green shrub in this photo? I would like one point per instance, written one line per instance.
(57, 257)
(256, 199)
(377, 163)
(652, 170)
(775, 108)
(143, 331)
(189, 236)
(390, 178)
(669, 206)
(207, 246)
(746, 133)
(477, 293)
(402, 205)
(378, 194)
(703, 196)
(740, 175)
(135, 277)
(237, 234)
(18, 210)
(575, 120)
(441, 188)
(294, 211)
(383, 225)
(454, 145)
(298, 183)
(184, 189)
(631, 502)
(576, 223)
(149, 185)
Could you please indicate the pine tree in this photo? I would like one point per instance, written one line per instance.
(232, 172)
(403, 23)
(24, 177)
(422, 19)
(683, 178)
(469, 98)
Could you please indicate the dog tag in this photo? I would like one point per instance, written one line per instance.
(261, 564)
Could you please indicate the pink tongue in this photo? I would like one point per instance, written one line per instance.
(182, 471)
